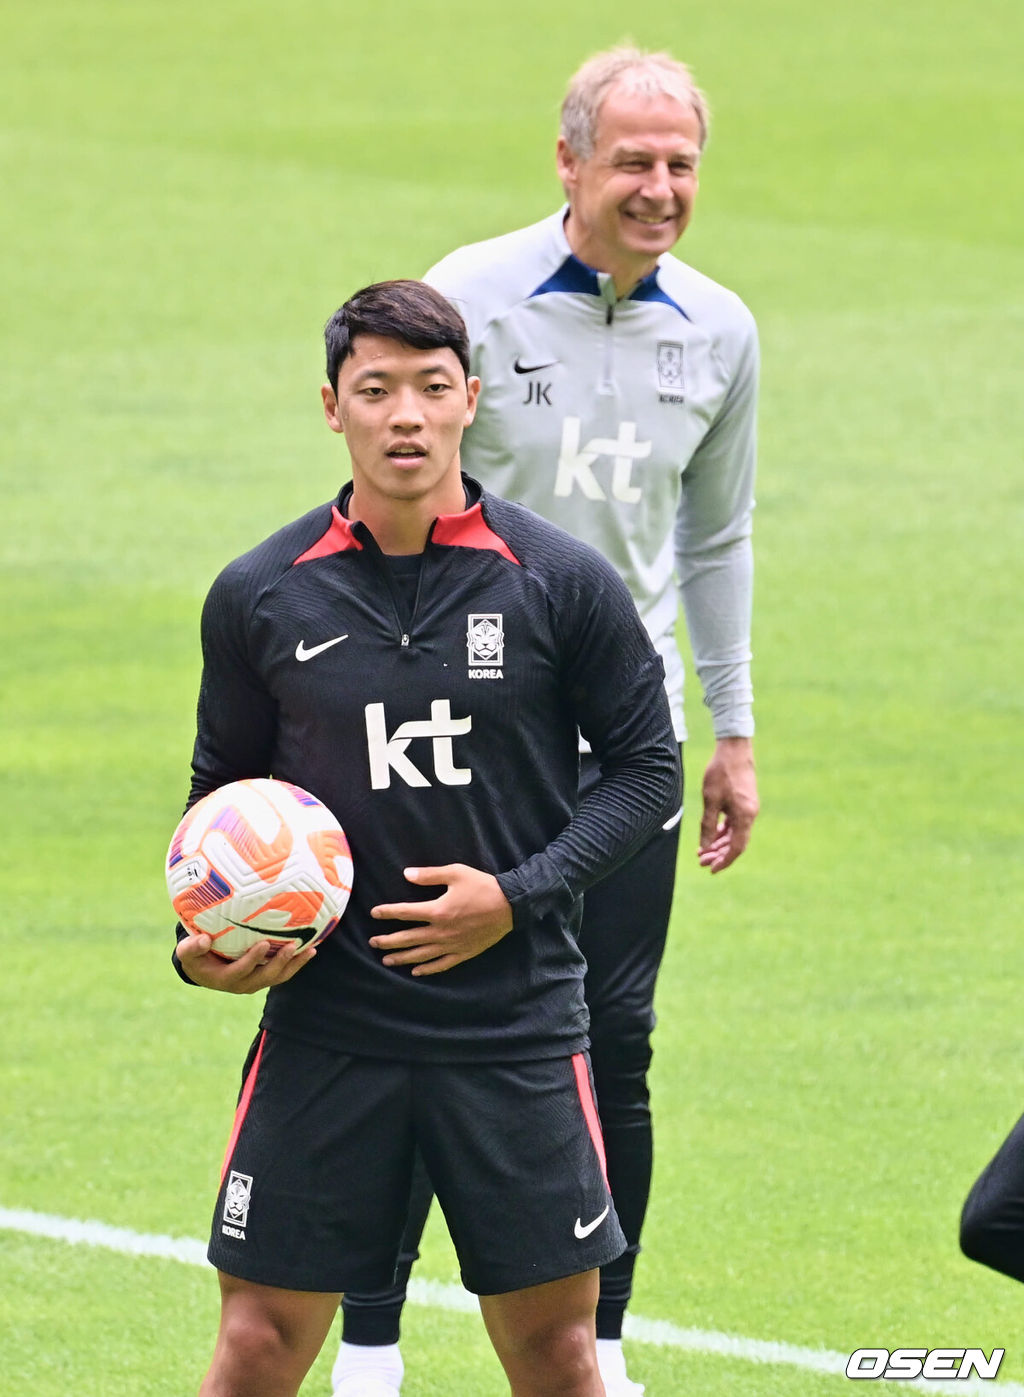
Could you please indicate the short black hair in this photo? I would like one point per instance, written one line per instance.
(409, 311)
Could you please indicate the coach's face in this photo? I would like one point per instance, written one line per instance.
(632, 198)
(402, 411)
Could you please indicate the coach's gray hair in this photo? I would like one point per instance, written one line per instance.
(637, 73)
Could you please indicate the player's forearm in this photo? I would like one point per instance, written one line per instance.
(717, 593)
(631, 801)
(215, 763)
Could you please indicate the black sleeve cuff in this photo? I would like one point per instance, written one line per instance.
(180, 933)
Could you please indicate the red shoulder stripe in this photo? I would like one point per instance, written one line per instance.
(470, 530)
(339, 538)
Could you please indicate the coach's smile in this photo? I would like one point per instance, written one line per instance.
(653, 220)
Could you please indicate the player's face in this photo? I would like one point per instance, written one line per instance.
(403, 412)
(632, 198)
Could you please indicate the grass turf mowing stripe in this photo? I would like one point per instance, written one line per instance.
(444, 1296)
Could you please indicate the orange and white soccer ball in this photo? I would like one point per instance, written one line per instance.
(259, 860)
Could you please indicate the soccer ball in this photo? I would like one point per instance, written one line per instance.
(259, 860)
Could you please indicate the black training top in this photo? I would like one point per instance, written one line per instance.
(437, 717)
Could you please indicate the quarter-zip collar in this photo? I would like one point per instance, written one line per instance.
(574, 275)
(467, 529)
(361, 533)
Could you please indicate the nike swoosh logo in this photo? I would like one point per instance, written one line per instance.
(301, 653)
(582, 1231)
(532, 368)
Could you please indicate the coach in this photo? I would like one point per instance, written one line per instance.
(619, 400)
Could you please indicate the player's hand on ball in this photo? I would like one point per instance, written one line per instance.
(260, 967)
(469, 917)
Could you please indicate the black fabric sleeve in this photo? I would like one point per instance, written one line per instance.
(179, 935)
(616, 685)
(236, 718)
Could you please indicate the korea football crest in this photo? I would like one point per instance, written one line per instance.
(237, 1198)
(670, 371)
(485, 644)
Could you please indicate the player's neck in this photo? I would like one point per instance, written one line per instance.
(624, 270)
(401, 527)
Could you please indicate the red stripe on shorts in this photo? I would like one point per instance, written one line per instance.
(243, 1106)
(579, 1066)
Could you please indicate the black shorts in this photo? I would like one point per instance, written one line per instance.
(316, 1180)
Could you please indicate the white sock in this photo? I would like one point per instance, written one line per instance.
(380, 1359)
(611, 1361)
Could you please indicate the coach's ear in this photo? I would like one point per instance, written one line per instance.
(330, 401)
(567, 165)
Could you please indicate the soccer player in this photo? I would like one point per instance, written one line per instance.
(619, 401)
(421, 655)
(992, 1221)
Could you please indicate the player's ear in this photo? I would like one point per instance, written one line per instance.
(472, 394)
(330, 401)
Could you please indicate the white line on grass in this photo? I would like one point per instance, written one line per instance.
(442, 1296)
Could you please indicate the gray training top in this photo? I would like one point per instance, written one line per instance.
(630, 423)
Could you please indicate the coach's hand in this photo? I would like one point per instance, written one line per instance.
(730, 803)
(471, 916)
(260, 967)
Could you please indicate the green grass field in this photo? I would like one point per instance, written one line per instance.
(188, 192)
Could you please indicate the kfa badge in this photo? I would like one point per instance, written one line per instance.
(485, 643)
(237, 1197)
(670, 370)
